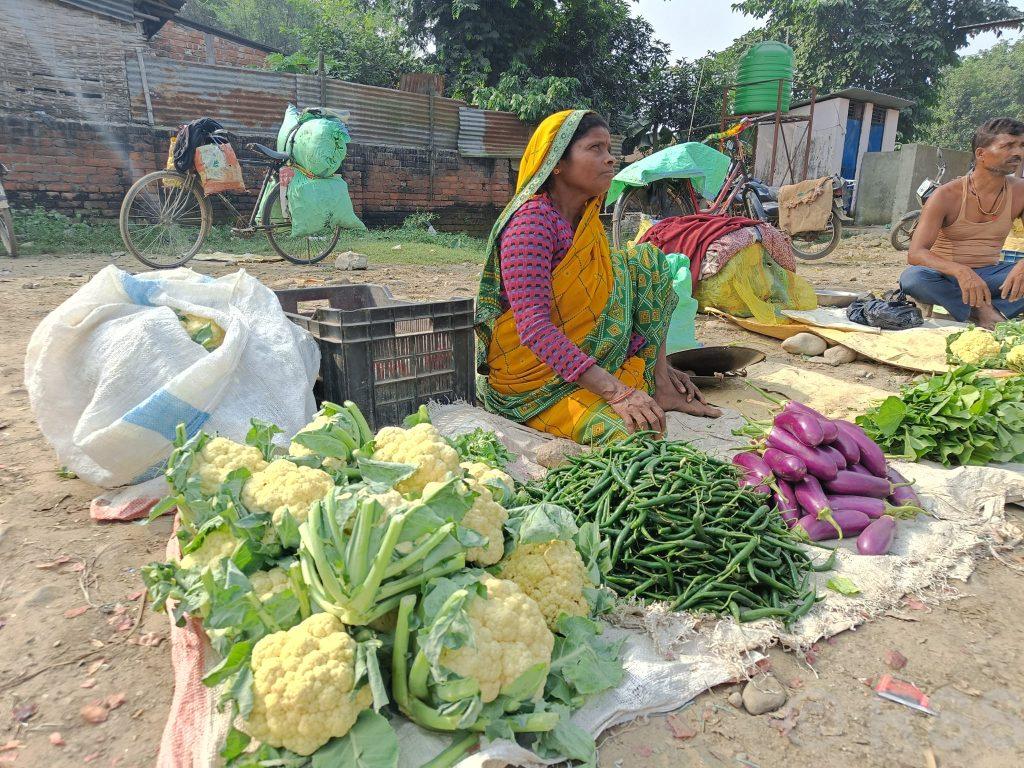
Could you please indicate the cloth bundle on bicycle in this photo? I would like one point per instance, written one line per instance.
(190, 137)
(692, 235)
(318, 204)
(316, 140)
(805, 206)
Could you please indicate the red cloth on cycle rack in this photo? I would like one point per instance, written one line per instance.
(691, 235)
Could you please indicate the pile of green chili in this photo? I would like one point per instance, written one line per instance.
(683, 531)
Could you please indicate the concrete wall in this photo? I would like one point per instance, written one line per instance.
(888, 181)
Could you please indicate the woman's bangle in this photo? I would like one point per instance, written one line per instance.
(625, 393)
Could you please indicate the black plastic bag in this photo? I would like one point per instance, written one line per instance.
(892, 312)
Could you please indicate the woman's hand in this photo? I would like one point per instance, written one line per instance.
(682, 384)
(639, 411)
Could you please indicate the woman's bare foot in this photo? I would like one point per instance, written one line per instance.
(670, 399)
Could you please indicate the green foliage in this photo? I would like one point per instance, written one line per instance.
(893, 46)
(982, 86)
(531, 98)
(961, 417)
(484, 446)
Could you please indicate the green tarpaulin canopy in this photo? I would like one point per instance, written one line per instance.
(704, 166)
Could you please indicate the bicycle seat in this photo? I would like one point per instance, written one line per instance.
(280, 157)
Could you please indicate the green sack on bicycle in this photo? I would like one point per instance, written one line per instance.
(318, 204)
(316, 140)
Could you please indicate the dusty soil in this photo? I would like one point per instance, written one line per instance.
(74, 630)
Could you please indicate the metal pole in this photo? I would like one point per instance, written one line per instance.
(693, 112)
(810, 133)
(775, 137)
(321, 73)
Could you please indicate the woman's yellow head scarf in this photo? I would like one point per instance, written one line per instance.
(540, 144)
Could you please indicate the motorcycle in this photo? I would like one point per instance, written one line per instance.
(6, 223)
(903, 231)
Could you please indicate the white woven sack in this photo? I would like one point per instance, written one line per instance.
(111, 372)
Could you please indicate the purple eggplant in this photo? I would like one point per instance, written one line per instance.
(849, 483)
(873, 507)
(850, 521)
(750, 480)
(837, 457)
(877, 538)
(784, 465)
(785, 497)
(828, 429)
(903, 493)
(859, 470)
(803, 426)
(871, 456)
(815, 529)
(818, 464)
(813, 501)
(846, 446)
(753, 465)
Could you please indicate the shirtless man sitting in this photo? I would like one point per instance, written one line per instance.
(955, 252)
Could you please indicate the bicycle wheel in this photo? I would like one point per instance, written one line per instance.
(305, 249)
(7, 233)
(164, 219)
(657, 201)
(812, 246)
(903, 232)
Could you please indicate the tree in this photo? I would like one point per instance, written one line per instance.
(530, 98)
(989, 84)
(895, 46)
(272, 24)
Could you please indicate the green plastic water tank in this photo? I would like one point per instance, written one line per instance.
(769, 61)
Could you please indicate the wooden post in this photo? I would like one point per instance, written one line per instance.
(430, 138)
(145, 85)
(322, 75)
(775, 137)
(810, 134)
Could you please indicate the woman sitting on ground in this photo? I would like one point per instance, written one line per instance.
(572, 335)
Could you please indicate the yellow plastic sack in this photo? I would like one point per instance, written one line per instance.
(1015, 240)
(171, 183)
(752, 284)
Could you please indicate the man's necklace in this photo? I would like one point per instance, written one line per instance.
(995, 203)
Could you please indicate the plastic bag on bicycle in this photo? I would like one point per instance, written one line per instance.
(218, 169)
(316, 204)
(752, 284)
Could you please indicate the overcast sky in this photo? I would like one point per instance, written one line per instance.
(694, 27)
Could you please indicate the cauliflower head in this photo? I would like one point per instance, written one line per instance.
(219, 458)
(304, 686)
(297, 450)
(552, 573)
(420, 446)
(1015, 358)
(196, 327)
(509, 637)
(975, 346)
(281, 486)
(493, 479)
(266, 584)
(487, 517)
(217, 545)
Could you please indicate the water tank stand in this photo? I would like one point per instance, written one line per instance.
(778, 118)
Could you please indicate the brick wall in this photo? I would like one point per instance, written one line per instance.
(85, 168)
(65, 61)
(176, 41)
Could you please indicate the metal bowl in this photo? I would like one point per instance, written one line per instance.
(708, 366)
(828, 298)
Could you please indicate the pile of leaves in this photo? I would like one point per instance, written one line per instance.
(960, 417)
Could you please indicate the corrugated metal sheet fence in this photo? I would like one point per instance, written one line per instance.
(174, 92)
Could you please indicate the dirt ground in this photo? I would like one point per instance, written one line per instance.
(75, 632)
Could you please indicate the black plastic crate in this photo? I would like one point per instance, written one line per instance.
(386, 355)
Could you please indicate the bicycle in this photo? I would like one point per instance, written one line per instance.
(740, 195)
(6, 222)
(165, 216)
